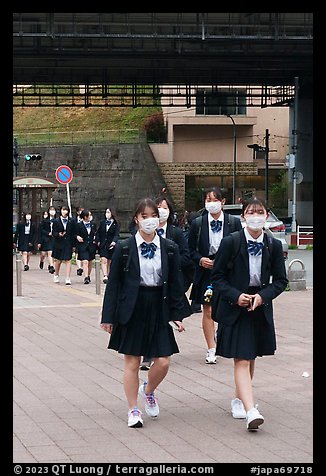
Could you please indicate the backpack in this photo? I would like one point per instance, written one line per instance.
(236, 246)
(170, 246)
(199, 220)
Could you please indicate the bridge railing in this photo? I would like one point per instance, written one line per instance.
(93, 137)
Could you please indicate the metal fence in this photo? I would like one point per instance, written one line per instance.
(51, 138)
(305, 235)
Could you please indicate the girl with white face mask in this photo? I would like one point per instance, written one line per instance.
(25, 238)
(45, 239)
(244, 310)
(108, 233)
(144, 292)
(166, 229)
(204, 242)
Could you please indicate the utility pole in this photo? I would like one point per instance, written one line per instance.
(294, 148)
(266, 165)
(234, 156)
(15, 162)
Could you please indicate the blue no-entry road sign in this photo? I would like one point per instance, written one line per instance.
(63, 174)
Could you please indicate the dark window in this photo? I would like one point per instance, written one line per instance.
(221, 103)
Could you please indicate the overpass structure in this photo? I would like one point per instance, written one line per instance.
(124, 59)
(128, 56)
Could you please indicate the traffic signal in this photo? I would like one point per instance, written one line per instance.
(29, 157)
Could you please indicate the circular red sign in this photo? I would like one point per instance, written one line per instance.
(63, 174)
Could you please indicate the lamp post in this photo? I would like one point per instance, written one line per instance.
(234, 156)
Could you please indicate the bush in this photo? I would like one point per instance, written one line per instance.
(155, 128)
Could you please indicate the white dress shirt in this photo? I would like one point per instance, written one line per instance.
(215, 238)
(150, 269)
(254, 261)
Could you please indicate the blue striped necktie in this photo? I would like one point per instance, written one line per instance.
(255, 247)
(148, 250)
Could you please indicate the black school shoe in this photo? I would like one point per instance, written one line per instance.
(41, 265)
(79, 271)
(51, 269)
(87, 280)
(26, 267)
(145, 364)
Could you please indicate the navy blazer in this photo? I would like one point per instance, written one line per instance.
(20, 237)
(68, 240)
(104, 238)
(43, 232)
(121, 291)
(89, 242)
(230, 283)
(203, 245)
(175, 234)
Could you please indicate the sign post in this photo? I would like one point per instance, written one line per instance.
(64, 175)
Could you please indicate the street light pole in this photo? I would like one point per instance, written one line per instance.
(234, 156)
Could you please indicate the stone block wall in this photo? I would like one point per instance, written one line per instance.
(174, 175)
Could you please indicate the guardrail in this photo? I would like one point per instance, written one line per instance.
(305, 235)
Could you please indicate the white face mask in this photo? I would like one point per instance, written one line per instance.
(52, 213)
(256, 223)
(149, 225)
(213, 207)
(164, 214)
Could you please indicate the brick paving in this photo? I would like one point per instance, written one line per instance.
(69, 403)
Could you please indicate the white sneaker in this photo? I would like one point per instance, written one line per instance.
(237, 408)
(134, 418)
(68, 281)
(56, 278)
(151, 406)
(210, 356)
(254, 419)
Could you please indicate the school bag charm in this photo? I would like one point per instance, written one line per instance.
(208, 293)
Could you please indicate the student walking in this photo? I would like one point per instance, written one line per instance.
(167, 230)
(78, 219)
(242, 278)
(142, 295)
(63, 231)
(45, 239)
(107, 236)
(86, 243)
(205, 235)
(25, 238)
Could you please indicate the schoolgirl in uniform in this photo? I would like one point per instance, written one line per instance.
(140, 299)
(78, 219)
(45, 239)
(25, 238)
(63, 231)
(244, 310)
(203, 248)
(167, 230)
(107, 236)
(86, 243)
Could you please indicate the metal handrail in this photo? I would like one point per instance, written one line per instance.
(307, 231)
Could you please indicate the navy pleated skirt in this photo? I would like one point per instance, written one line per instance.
(249, 337)
(198, 290)
(86, 255)
(146, 333)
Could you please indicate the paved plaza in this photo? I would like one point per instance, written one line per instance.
(70, 407)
